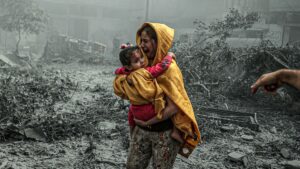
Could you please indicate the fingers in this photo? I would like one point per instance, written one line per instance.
(271, 87)
(264, 80)
(171, 54)
(268, 84)
(139, 122)
(255, 87)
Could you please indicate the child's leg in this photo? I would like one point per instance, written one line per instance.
(176, 135)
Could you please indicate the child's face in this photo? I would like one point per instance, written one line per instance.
(137, 60)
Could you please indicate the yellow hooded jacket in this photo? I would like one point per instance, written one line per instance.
(143, 89)
(170, 82)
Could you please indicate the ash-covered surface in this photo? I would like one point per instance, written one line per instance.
(90, 130)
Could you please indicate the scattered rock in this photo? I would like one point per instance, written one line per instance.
(273, 130)
(113, 135)
(3, 164)
(236, 156)
(273, 166)
(107, 125)
(235, 144)
(62, 151)
(295, 164)
(267, 137)
(227, 128)
(2, 155)
(247, 137)
(35, 133)
(245, 161)
(285, 153)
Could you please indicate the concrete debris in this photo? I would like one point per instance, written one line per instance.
(285, 153)
(273, 130)
(236, 156)
(227, 128)
(247, 137)
(295, 164)
(35, 133)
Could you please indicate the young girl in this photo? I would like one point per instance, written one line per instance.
(154, 111)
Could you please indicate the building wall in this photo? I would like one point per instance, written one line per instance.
(95, 20)
(102, 20)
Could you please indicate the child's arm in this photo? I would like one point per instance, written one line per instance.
(169, 111)
(122, 70)
(160, 67)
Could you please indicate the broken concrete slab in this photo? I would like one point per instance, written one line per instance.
(236, 156)
(8, 61)
(285, 153)
(35, 133)
(273, 130)
(4, 164)
(245, 161)
(227, 128)
(247, 137)
(2, 155)
(266, 137)
(295, 164)
(107, 125)
(15, 61)
(235, 144)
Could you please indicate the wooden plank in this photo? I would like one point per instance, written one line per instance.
(247, 124)
(225, 112)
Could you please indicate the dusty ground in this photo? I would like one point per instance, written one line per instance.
(277, 142)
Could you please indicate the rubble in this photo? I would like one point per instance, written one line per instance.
(64, 49)
(247, 137)
(227, 128)
(285, 153)
(35, 133)
(240, 118)
(7, 61)
(236, 156)
(92, 111)
(295, 164)
(273, 130)
(221, 73)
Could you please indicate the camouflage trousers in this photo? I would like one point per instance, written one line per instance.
(146, 144)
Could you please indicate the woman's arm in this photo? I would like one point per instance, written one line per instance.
(170, 110)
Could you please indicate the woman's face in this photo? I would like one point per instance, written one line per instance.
(148, 45)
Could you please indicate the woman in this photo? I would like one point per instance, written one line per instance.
(155, 40)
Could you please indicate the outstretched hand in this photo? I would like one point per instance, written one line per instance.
(269, 81)
(140, 122)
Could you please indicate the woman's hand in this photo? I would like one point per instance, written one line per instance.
(140, 122)
(171, 54)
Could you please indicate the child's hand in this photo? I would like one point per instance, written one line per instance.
(129, 81)
(140, 122)
(171, 54)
